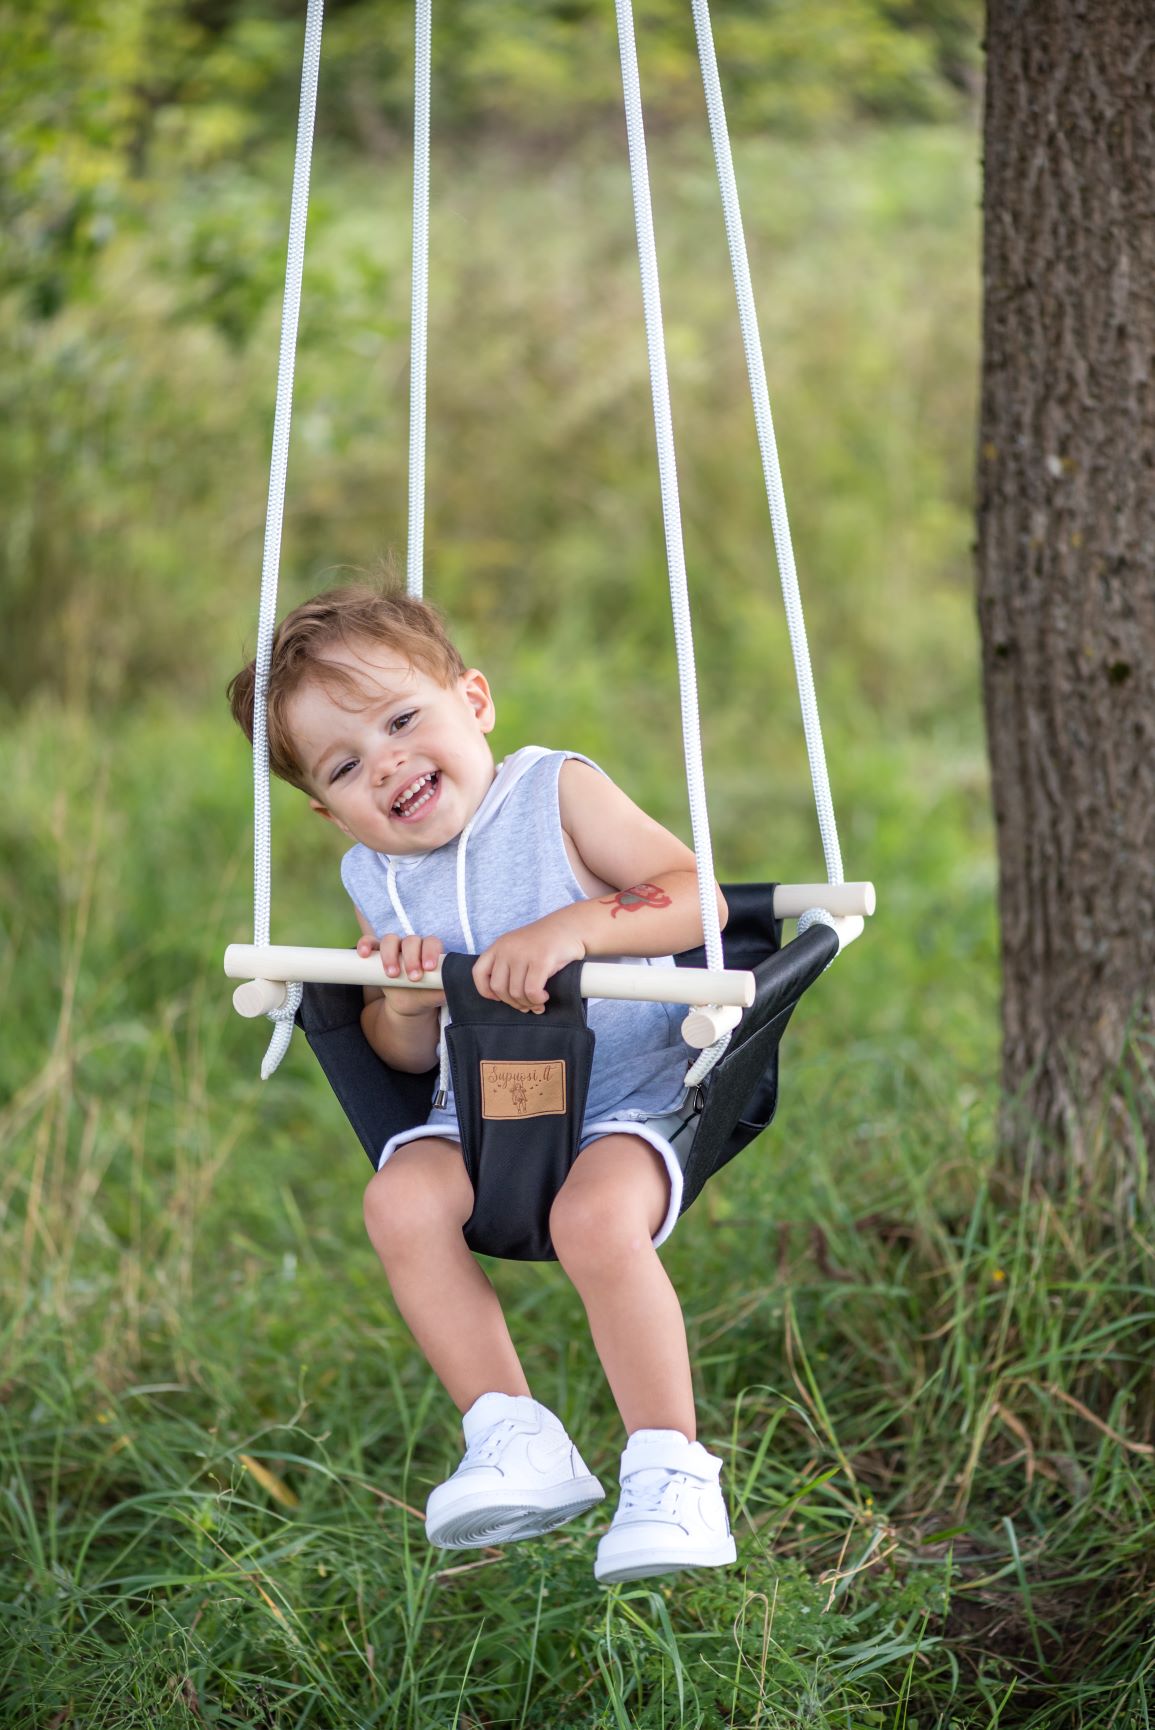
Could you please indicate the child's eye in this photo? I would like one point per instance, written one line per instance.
(341, 771)
(400, 721)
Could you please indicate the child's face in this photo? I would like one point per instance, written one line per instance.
(363, 765)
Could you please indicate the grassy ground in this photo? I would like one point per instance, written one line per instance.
(932, 1395)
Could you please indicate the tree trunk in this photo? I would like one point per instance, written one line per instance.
(1066, 566)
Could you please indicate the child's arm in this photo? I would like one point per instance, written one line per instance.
(402, 1026)
(643, 900)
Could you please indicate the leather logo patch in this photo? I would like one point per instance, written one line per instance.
(522, 1089)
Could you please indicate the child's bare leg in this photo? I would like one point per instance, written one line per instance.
(415, 1208)
(602, 1224)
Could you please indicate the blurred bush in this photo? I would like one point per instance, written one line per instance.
(137, 421)
(134, 455)
(103, 104)
(145, 150)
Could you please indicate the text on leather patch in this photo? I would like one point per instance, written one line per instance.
(522, 1089)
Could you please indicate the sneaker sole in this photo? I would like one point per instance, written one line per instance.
(484, 1517)
(641, 1564)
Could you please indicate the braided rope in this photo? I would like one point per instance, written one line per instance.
(283, 1020)
(767, 444)
(419, 321)
(667, 466)
(671, 507)
(275, 516)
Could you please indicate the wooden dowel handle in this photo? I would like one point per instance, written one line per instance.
(703, 1026)
(257, 996)
(693, 985)
(791, 899)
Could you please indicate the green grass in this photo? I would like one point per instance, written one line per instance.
(887, 1359)
(931, 1390)
(931, 1396)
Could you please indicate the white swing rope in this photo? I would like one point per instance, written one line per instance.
(418, 376)
(671, 516)
(775, 495)
(767, 443)
(419, 320)
(283, 1016)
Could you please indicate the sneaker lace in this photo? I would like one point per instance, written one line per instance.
(654, 1490)
(484, 1449)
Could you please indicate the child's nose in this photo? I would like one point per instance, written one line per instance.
(390, 756)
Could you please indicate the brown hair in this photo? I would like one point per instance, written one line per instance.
(358, 612)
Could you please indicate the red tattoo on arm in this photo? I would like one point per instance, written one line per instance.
(629, 900)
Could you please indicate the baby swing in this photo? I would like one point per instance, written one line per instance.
(742, 986)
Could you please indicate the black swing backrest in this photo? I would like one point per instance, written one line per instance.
(740, 1095)
(378, 1101)
(738, 1098)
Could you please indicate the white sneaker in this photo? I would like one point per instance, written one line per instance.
(671, 1513)
(521, 1476)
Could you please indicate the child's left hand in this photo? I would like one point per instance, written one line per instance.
(515, 968)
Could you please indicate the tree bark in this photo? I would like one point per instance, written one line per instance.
(1066, 567)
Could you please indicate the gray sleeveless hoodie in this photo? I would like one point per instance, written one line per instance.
(507, 868)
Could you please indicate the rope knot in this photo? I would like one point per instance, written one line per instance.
(846, 927)
(705, 1061)
(814, 916)
(283, 1020)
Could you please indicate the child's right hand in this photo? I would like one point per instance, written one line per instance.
(414, 956)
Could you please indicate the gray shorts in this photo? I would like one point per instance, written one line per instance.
(661, 1133)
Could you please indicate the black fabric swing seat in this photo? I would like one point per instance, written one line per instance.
(735, 1102)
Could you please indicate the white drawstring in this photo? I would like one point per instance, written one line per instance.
(391, 879)
(441, 1097)
(462, 908)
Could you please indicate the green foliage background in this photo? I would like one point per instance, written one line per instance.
(191, 1300)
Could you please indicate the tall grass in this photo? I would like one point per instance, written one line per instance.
(932, 1397)
(138, 423)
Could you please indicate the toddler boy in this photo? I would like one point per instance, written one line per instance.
(374, 716)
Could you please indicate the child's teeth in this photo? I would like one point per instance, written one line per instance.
(420, 794)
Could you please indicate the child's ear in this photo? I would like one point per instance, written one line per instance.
(475, 689)
(324, 811)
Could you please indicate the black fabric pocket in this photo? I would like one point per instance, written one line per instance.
(520, 1083)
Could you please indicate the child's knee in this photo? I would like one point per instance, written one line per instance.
(411, 1197)
(587, 1238)
(601, 1217)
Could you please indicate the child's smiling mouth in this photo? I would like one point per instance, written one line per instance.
(417, 797)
